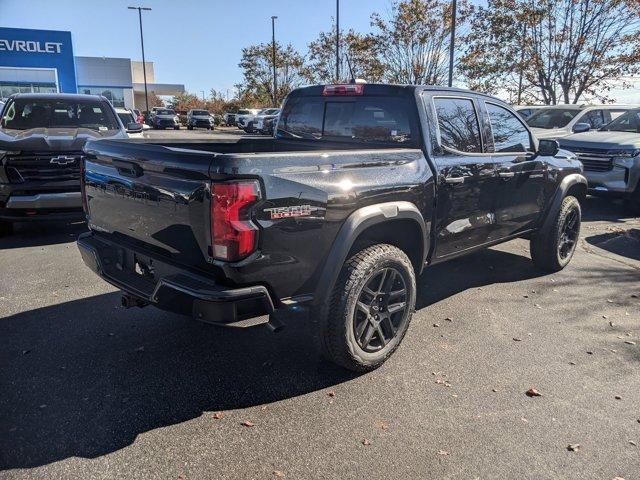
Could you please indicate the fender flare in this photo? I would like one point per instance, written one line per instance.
(353, 226)
(565, 184)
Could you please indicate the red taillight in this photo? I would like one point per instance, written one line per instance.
(233, 235)
(343, 90)
(83, 190)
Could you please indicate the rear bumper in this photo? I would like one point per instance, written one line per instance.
(172, 288)
(45, 200)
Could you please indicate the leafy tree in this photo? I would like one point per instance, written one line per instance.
(361, 50)
(552, 50)
(413, 42)
(256, 88)
(186, 101)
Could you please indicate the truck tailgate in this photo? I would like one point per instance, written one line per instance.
(151, 194)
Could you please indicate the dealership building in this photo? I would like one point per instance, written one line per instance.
(43, 61)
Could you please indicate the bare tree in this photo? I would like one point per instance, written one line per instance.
(413, 43)
(361, 50)
(564, 50)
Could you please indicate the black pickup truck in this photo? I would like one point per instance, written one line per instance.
(362, 187)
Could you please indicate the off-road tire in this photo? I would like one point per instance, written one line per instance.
(545, 244)
(337, 334)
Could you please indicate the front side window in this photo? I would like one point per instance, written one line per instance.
(509, 135)
(458, 124)
(24, 114)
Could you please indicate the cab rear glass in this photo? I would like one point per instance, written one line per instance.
(375, 119)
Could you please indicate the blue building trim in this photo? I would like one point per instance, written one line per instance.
(26, 48)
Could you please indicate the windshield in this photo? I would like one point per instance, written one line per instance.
(629, 122)
(552, 117)
(165, 111)
(270, 111)
(200, 113)
(24, 114)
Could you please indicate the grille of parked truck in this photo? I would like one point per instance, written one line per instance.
(41, 140)
(362, 187)
(611, 158)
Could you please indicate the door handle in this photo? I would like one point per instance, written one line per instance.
(454, 179)
(506, 174)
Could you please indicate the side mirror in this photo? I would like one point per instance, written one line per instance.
(581, 127)
(548, 148)
(134, 127)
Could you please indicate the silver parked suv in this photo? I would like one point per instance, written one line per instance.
(611, 158)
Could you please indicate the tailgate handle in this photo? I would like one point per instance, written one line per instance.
(128, 169)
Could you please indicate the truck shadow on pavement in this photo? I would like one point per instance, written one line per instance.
(42, 234)
(84, 378)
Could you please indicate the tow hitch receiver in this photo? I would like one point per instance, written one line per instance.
(129, 301)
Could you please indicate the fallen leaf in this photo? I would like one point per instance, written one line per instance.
(609, 300)
(278, 473)
(589, 352)
(629, 342)
(573, 447)
(443, 452)
(436, 325)
(331, 393)
(572, 363)
(532, 392)
(618, 397)
(611, 324)
(248, 423)
(494, 390)
(24, 352)
(516, 339)
(365, 442)
(448, 319)
(218, 416)
(384, 425)
(631, 442)
(182, 477)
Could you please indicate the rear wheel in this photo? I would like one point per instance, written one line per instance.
(370, 308)
(553, 248)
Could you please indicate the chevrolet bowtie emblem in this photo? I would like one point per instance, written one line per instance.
(62, 160)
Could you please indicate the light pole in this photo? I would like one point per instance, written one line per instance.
(202, 91)
(337, 41)
(452, 44)
(144, 66)
(273, 60)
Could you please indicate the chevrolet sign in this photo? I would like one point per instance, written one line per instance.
(62, 160)
(30, 46)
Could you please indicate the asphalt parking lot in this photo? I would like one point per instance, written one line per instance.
(90, 390)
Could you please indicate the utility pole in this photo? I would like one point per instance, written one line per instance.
(144, 66)
(273, 60)
(452, 44)
(337, 41)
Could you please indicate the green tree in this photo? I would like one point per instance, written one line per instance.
(256, 88)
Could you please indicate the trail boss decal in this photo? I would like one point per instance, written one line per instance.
(290, 212)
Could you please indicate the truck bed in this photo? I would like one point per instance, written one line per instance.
(156, 196)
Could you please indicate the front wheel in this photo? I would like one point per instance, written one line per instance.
(552, 248)
(370, 308)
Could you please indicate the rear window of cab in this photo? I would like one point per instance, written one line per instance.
(378, 120)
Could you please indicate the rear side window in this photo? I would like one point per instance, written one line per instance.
(363, 119)
(509, 135)
(458, 124)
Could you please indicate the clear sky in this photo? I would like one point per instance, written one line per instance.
(198, 43)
